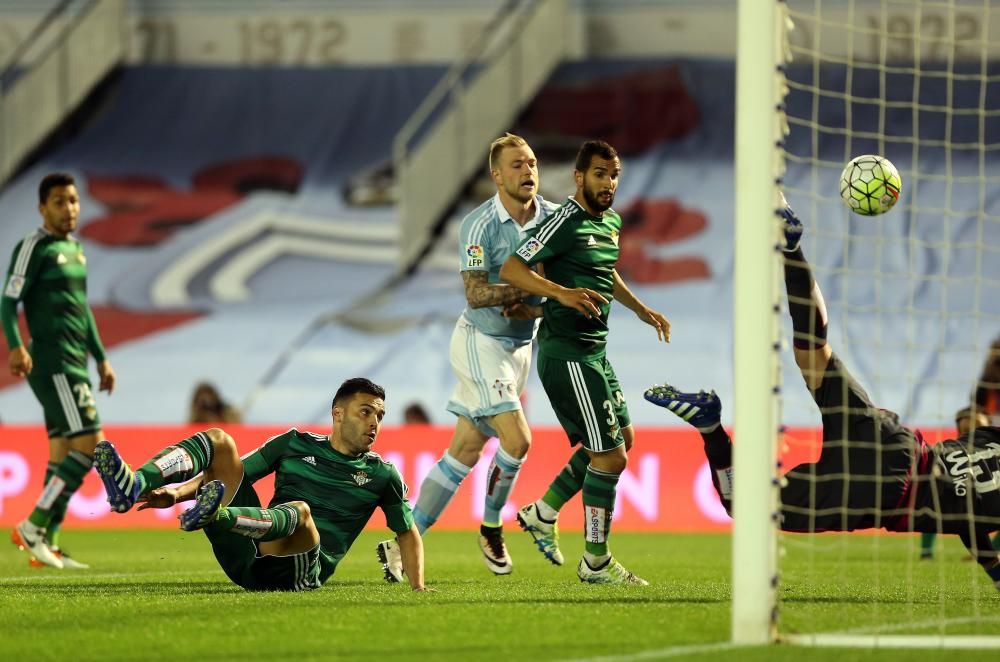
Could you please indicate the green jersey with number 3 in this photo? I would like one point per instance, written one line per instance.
(578, 250)
(49, 277)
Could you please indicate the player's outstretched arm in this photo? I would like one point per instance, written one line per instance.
(521, 276)
(411, 551)
(806, 306)
(645, 313)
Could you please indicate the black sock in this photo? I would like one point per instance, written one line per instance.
(718, 448)
(719, 451)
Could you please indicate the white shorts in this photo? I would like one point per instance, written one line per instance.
(491, 375)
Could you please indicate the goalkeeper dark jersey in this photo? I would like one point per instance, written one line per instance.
(579, 250)
(342, 492)
(49, 277)
(962, 479)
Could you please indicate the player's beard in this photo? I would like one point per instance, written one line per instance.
(594, 202)
(355, 437)
(62, 225)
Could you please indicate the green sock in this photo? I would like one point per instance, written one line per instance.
(176, 464)
(599, 489)
(62, 484)
(927, 544)
(569, 481)
(50, 469)
(52, 530)
(258, 523)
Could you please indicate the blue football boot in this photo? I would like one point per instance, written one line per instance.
(702, 410)
(120, 482)
(207, 502)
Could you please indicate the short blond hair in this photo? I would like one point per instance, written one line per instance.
(501, 143)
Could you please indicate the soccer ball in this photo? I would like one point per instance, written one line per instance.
(870, 185)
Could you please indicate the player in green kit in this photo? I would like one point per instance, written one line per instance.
(326, 488)
(578, 245)
(48, 277)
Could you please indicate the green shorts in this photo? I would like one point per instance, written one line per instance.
(67, 402)
(240, 559)
(587, 400)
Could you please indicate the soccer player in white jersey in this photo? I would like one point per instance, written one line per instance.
(490, 354)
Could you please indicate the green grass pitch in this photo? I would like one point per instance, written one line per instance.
(160, 595)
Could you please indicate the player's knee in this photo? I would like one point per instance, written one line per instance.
(618, 463)
(305, 514)
(306, 528)
(222, 443)
(614, 461)
(517, 446)
(467, 448)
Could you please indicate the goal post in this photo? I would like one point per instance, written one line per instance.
(759, 164)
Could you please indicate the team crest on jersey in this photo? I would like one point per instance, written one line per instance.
(361, 478)
(81, 258)
(530, 248)
(474, 253)
(14, 286)
(614, 237)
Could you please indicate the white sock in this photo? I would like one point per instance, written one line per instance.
(546, 512)
(595, 561)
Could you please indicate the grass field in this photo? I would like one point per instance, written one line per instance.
(159, 594)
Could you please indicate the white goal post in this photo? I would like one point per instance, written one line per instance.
(759, 89)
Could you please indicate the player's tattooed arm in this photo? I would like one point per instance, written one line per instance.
(480, 293)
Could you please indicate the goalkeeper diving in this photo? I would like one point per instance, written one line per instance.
(872, 472)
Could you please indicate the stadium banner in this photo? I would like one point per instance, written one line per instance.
(667, 486)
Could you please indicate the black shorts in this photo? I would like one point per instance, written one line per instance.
(243, 563)
(864, 466)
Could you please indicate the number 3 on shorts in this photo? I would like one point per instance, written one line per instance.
(610, 408)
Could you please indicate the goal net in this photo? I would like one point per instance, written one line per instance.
(913, 296)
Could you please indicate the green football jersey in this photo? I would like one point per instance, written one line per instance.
(578, 250)
(342, 492)
(49, 276)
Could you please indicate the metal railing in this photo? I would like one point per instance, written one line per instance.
(445, 141)
(85, 41)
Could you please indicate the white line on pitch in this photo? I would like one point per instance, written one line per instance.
(919, 625)
(660, 653)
